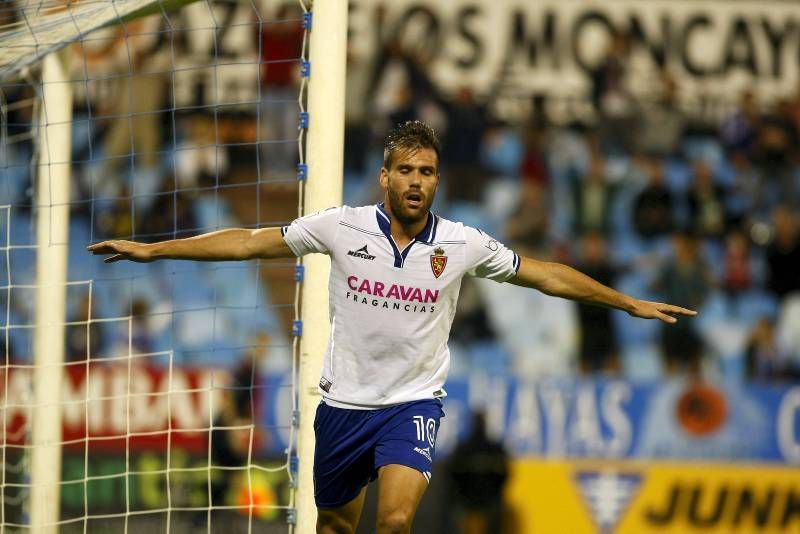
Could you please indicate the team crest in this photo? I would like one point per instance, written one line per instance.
(438, 262)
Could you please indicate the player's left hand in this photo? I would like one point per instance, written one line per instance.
(658, 310)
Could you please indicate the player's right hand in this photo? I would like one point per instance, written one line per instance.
(122, 250)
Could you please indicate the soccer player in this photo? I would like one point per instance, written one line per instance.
(396, 270)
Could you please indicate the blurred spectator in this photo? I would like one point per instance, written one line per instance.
(527, 228)
(171, 215)
(608, 78)
(776, 144)
(135, 108)
(478, 471)
(598, 347)
(390, 86)
(236, 427)
(116, 219)
(247, 392)
(281, 44)
(663, 121)
(501, 151)
(135, 131)
(764, 359)
(706, 203)
(534, 168)
(738, 275)
(793, 110)
(613, 102)
(201, 161)
(467, 122)
(593, 197)
(751, 196)
(15, 157)
(653, 207)
(84, 336)
(141, 338)
(230, 443)
(684, 280)
(237, 144)
(134, 337)
(357, 124)
(739, 130)
(783, 254)
(470, 323)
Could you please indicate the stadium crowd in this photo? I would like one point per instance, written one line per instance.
(645, 197)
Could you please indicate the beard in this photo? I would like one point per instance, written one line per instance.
(403, 213)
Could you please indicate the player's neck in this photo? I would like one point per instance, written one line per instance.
(404, 233)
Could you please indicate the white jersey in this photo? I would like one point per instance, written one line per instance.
(391, 309)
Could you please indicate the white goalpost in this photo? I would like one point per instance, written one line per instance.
(52, 224)
(324, 189)
(137, 397)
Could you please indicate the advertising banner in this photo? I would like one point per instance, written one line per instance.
(629, 497)
(550, 47)
(129, 409)
(619, 419)
(122, 407)
(506, 50)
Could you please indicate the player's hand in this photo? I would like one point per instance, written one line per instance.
(122, 250)
(658, 310)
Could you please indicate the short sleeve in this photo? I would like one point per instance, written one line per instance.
(313, 233)
(488, 257)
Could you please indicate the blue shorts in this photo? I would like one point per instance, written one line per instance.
(353, 444)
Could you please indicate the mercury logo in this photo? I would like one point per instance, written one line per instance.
(362, 253)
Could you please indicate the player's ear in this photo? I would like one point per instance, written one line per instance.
(383, 178)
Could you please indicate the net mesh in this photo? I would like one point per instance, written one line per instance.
(178, 389)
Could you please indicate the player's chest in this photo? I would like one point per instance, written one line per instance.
(433, 264)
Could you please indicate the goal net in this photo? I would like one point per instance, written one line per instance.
(155, 396)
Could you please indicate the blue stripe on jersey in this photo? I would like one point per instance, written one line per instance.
(283, 230)
(385, 224)
(517, 262)
(432, 233)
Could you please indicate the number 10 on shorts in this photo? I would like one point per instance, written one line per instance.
(426, 430)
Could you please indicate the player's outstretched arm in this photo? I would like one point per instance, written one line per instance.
(560, 280)
(223, 245)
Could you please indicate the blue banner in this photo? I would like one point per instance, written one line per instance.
(607, 418)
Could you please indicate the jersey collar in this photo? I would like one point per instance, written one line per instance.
(427, 235)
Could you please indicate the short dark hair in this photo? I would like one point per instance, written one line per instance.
(411, 135)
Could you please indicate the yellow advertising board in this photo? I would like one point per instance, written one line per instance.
(630, 497)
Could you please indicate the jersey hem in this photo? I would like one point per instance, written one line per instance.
(354, 406)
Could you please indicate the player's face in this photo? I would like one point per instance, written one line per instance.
(411, 184)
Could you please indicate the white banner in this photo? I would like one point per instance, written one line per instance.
(512, 49)
(713, 48)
